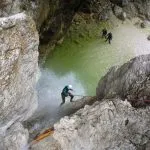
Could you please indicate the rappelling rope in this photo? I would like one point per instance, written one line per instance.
(83, 96)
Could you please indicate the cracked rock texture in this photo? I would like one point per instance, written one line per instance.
(54, 17)
(19, 43)
(131, 81)
(108, 125)
(16, 138)
(19, 65)
(133, 8)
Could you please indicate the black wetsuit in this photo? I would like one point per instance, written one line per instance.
(65, 93)
(109, 37)
(104, 33)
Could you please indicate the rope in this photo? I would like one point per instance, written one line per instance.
(83, 96)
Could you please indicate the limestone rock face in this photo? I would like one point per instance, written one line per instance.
(130, 81)
(135, 8)
(111, 124)
(18, 68)
(15, 138)
(123, 8)
(118, 11)
(101, 9)
(52, 18)
(9, 7)
(48, 143)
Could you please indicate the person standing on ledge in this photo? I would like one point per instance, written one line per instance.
(109, 37)
(66, 92)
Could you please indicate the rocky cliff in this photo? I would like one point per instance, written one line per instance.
(130, 81)
(54, 17)
(112, 123)
(19, 64)
(134, 8)
(20, 23)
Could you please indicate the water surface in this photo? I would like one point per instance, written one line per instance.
(87, 62)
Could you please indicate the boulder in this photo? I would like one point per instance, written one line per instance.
(111, 124)
(119, 13)
(130, 81)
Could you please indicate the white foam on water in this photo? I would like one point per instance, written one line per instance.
(128, 37)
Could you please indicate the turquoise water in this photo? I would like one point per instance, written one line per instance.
(83, 63)
(87, 62)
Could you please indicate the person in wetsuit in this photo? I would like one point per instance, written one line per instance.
(104, 33)
(66, 92)
(109, 37)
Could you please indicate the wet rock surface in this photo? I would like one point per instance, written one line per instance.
(41, 123)
(15, 138)
(48, 143)
(110, 124)
(56, 17)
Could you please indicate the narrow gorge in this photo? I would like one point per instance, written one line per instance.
(48, 44)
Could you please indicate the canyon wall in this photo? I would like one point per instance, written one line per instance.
(112, 123)
(22, 23)
(131, 81)
(19, 65)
